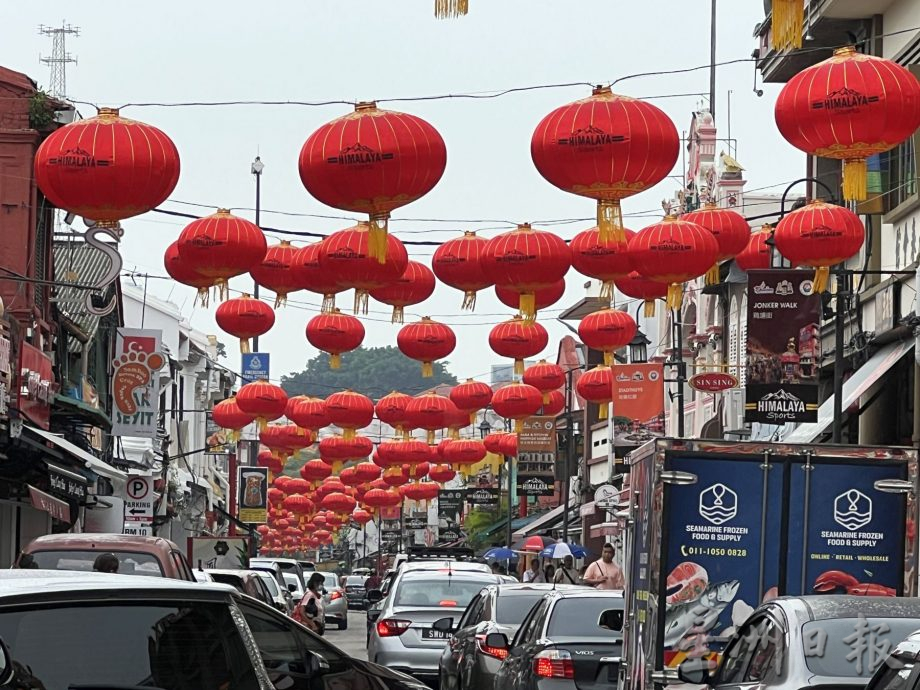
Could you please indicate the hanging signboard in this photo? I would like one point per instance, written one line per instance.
(36, 385)
(416, 522)
(483, 496)
(135, 383)
(538, 435)
(536, 474)
(638, 403)
(219, 552)
(783, 347)
(253, 494)
(713, 381)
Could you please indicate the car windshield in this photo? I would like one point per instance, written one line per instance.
(166, 645)
(292, 579)
(442, 591)
(513, 608)
(269, 583)
(850, 647)
(586, 617)
(355, 580)
(129, 563)
(234, 581)
(331, 580)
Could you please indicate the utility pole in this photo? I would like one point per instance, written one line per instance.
(257, 167)
(60, 58)
(712, 60)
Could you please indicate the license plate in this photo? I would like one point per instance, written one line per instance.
(431, 634)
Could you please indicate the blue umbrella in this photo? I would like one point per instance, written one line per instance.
(499, 553)
(561, 550)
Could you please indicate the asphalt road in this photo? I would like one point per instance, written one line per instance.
(352, 641)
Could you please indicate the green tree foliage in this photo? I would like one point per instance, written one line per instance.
(373, 371)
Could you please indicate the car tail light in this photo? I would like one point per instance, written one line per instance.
(392, 627)
(335, 595)
(447, 602)
(554, 663)
(495, 652)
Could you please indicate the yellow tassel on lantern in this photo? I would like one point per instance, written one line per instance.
(527, 303)
(610, 221)
(398, 315)
(280, 300)
(788, 18)
(262, 423)
(348, 434)
(235, 435)
(454, 433)
(222, 287)
(519, 367)
(822, 273)
(469, 300)
(649, 310)
(675, 295)
(446, 9)
(335, 361)
(244, 346)
(608, 358)
(328, 304)
(602, 410)
(430, 437)
(606, 293)
(712, 275)
(855, 179)
(377, 238)
(204, 296)
(518, 426)
(361, 301)
(427, 370)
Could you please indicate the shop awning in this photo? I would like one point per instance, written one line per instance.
(547, 521)
(55, 507)
(853, 388)
(91, 462)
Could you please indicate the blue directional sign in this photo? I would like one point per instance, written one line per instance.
(255, 366)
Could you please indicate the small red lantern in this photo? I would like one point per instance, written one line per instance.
(308, 275)
(596, 386)
(456, 419)
(555, 403)
(604, 260)
(545, 377)
(367, 472)
(414, 286)
(756, 255)
(262, 400)
(518, 339)
(309, 413)
(245, 318)
(335, 333)
(350, 411)
(182, 272)
(543, 298)
(419, 470)
(397, 475)
(457, 263)
(107, 168)
(517, 401)
(422, 492)
(349, 477)
(275, 496)
(428, 411)
(273, 437)
(426, 341)
(315, 471)
(464, 452)
(391, 409)
(268, 459)
(361, 516)
(228, 415)
(526, 260)
(338, 503)
(441, 474)
(729, 228)
(276, 273)
(508, 445)
(637, 287)
(607, 330)
(819, 235)
(471, 396)
(492, 442)
(336, 449)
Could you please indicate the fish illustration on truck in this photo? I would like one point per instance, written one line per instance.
(698, 616)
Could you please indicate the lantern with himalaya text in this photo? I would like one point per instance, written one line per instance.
(315, 471)
(391, 409)
(372, 161)
(596, 386)
(605, 147)
(350, 411)
(554, 405)
(228, 415)
(309, 413)
(518, 339)
(545, 377)
(542, 298)
(263, 401)
(471, 396)
(819, 235)
(429, 412)
(526, 260)
(850, 107)
(729, 228)
(637, 287)
(426, 341)
(244, 318)
(517, 401)
(107, 168)
(335, 333)
(457, 263)
(221, 246)
(182, 272)
(464, 453)
(276, 271)
(756, 255)
(414, 286)
(604, 260)
(607, 330)
(673, 252)
(338, 503)
(308, 275)
(441, 474)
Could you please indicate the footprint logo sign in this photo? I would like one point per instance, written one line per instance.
(718, 504)
(852, 510)
(133, 371)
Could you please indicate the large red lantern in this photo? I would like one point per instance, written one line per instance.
(182, 272)
(637, 287)
(441, 474)
(335, 333)
(222, 246)
(673, 251)
(228, 415)
(422, 492)
(457, 263)
(526, 260)
(244, 318)
(349, 477)
(518, 339)
(756, 255)
(308, 275)
(309, 413)
(107, 168)
(372, 161)
(596, 386)
(850, 107)
(492, 442)
(604, 260)
(336, 449)
(554, 403)
(463, 453)
(361, 516)
(349, 411)
(414, 286)
(545, 377)
(606, 147)
(508, 445)
(819, 235)
(426, 341)
(262, 400)
(397, 475)
(268, 459)
(542, 298)
(276, 273)
(517, 401)
(471, 396)
(366, 472)
(315, 471)
(729, 228)
(391, 409)
(607, 330)
(428, 411)
(338, 503)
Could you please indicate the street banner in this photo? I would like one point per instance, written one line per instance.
(253, 494)
(450, 512)
(483, 490)
(230, 553)
(538, 435)
(783, 347)
(415, 522)
(638, 403)
(536, 474)
(135, 383)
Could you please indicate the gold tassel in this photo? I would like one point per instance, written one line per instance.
(348, 434)
(398, 315)
(337, 467)
(855, 175)
(377, 238)
(430, 437)
(675, 295)
(335, 360)
(473, 417)
(518, 426)
(328, 304)
(545, 398)
(427, 370)
(361, 301)
(519, 367)
(203, 296)
(454, 433)
(527, 303)
(649, 310)
(822, 273)
(262, 423)
(469, 300)
(606, 294)
(235, 435)
(244, 346)
(712, 275)
(610, 221)
(222, 287)
(608, 358)
(788, 17)
(280, 300)
(445, 9)
(602, 410)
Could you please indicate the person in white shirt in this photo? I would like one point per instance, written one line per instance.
(535, 574)
(566, 574)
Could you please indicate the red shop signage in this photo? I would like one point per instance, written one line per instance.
(36, 385)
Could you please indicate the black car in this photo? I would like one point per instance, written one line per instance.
(570, 639)
(355, 591)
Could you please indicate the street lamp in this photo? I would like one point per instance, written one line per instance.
(256, 169)
(638, 348)
(484, 427)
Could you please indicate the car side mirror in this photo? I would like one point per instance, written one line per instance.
(444, 625)
(292, 588)
(374, 596)
(696, 671)
(314, 665)
(497, 641)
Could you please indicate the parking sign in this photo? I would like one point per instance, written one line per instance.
(139, 499)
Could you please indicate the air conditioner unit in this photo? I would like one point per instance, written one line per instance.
(734, 409)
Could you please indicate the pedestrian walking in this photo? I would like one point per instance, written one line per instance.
(310, 610)
(535, 574)
(604, 573)
(566, 574)
(549, 572)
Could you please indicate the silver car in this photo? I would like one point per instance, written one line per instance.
(335, 603)
(403, 637)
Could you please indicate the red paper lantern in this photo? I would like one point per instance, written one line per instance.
(228, 415)
(107, 168)
(492, 442)
(456, 419)
(309, 413)
(391, 409)
(245, 318)
(441, 474)
(299, 505)
(604, 260)
(634, 285)
(850, 107)
(419, 470)
(508, 445)
(372, 161)
(222, 246)
(295, 437)
(335, 333)
(606, 147)
(526, 260)
(464, 452)
(518, 339)
(543, 298)
(554, 404)
(367, 472)
(321, 536)
(596, 386)
(276, 273)
(361, 516)
(298, 485)
(268, 459)
(819, 235)
(414, 286)
(275, 496)
(729, 228)
(308, 275)
(457, 263)
(428, 411)
(545, 377)
(471, 396)
(421, 491)
(315, 471)
(350, 411)
(182, 272)
(756, 255)
(337, 449)
(517, 401)
(673, 251)
(338, 503)
(426, 341)
(607, 330)
(349, 477)
(262, 400)
(273, 437)
(398, 475)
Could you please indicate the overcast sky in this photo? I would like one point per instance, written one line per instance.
(318, 50)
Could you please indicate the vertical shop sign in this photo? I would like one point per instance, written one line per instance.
(135, 383)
